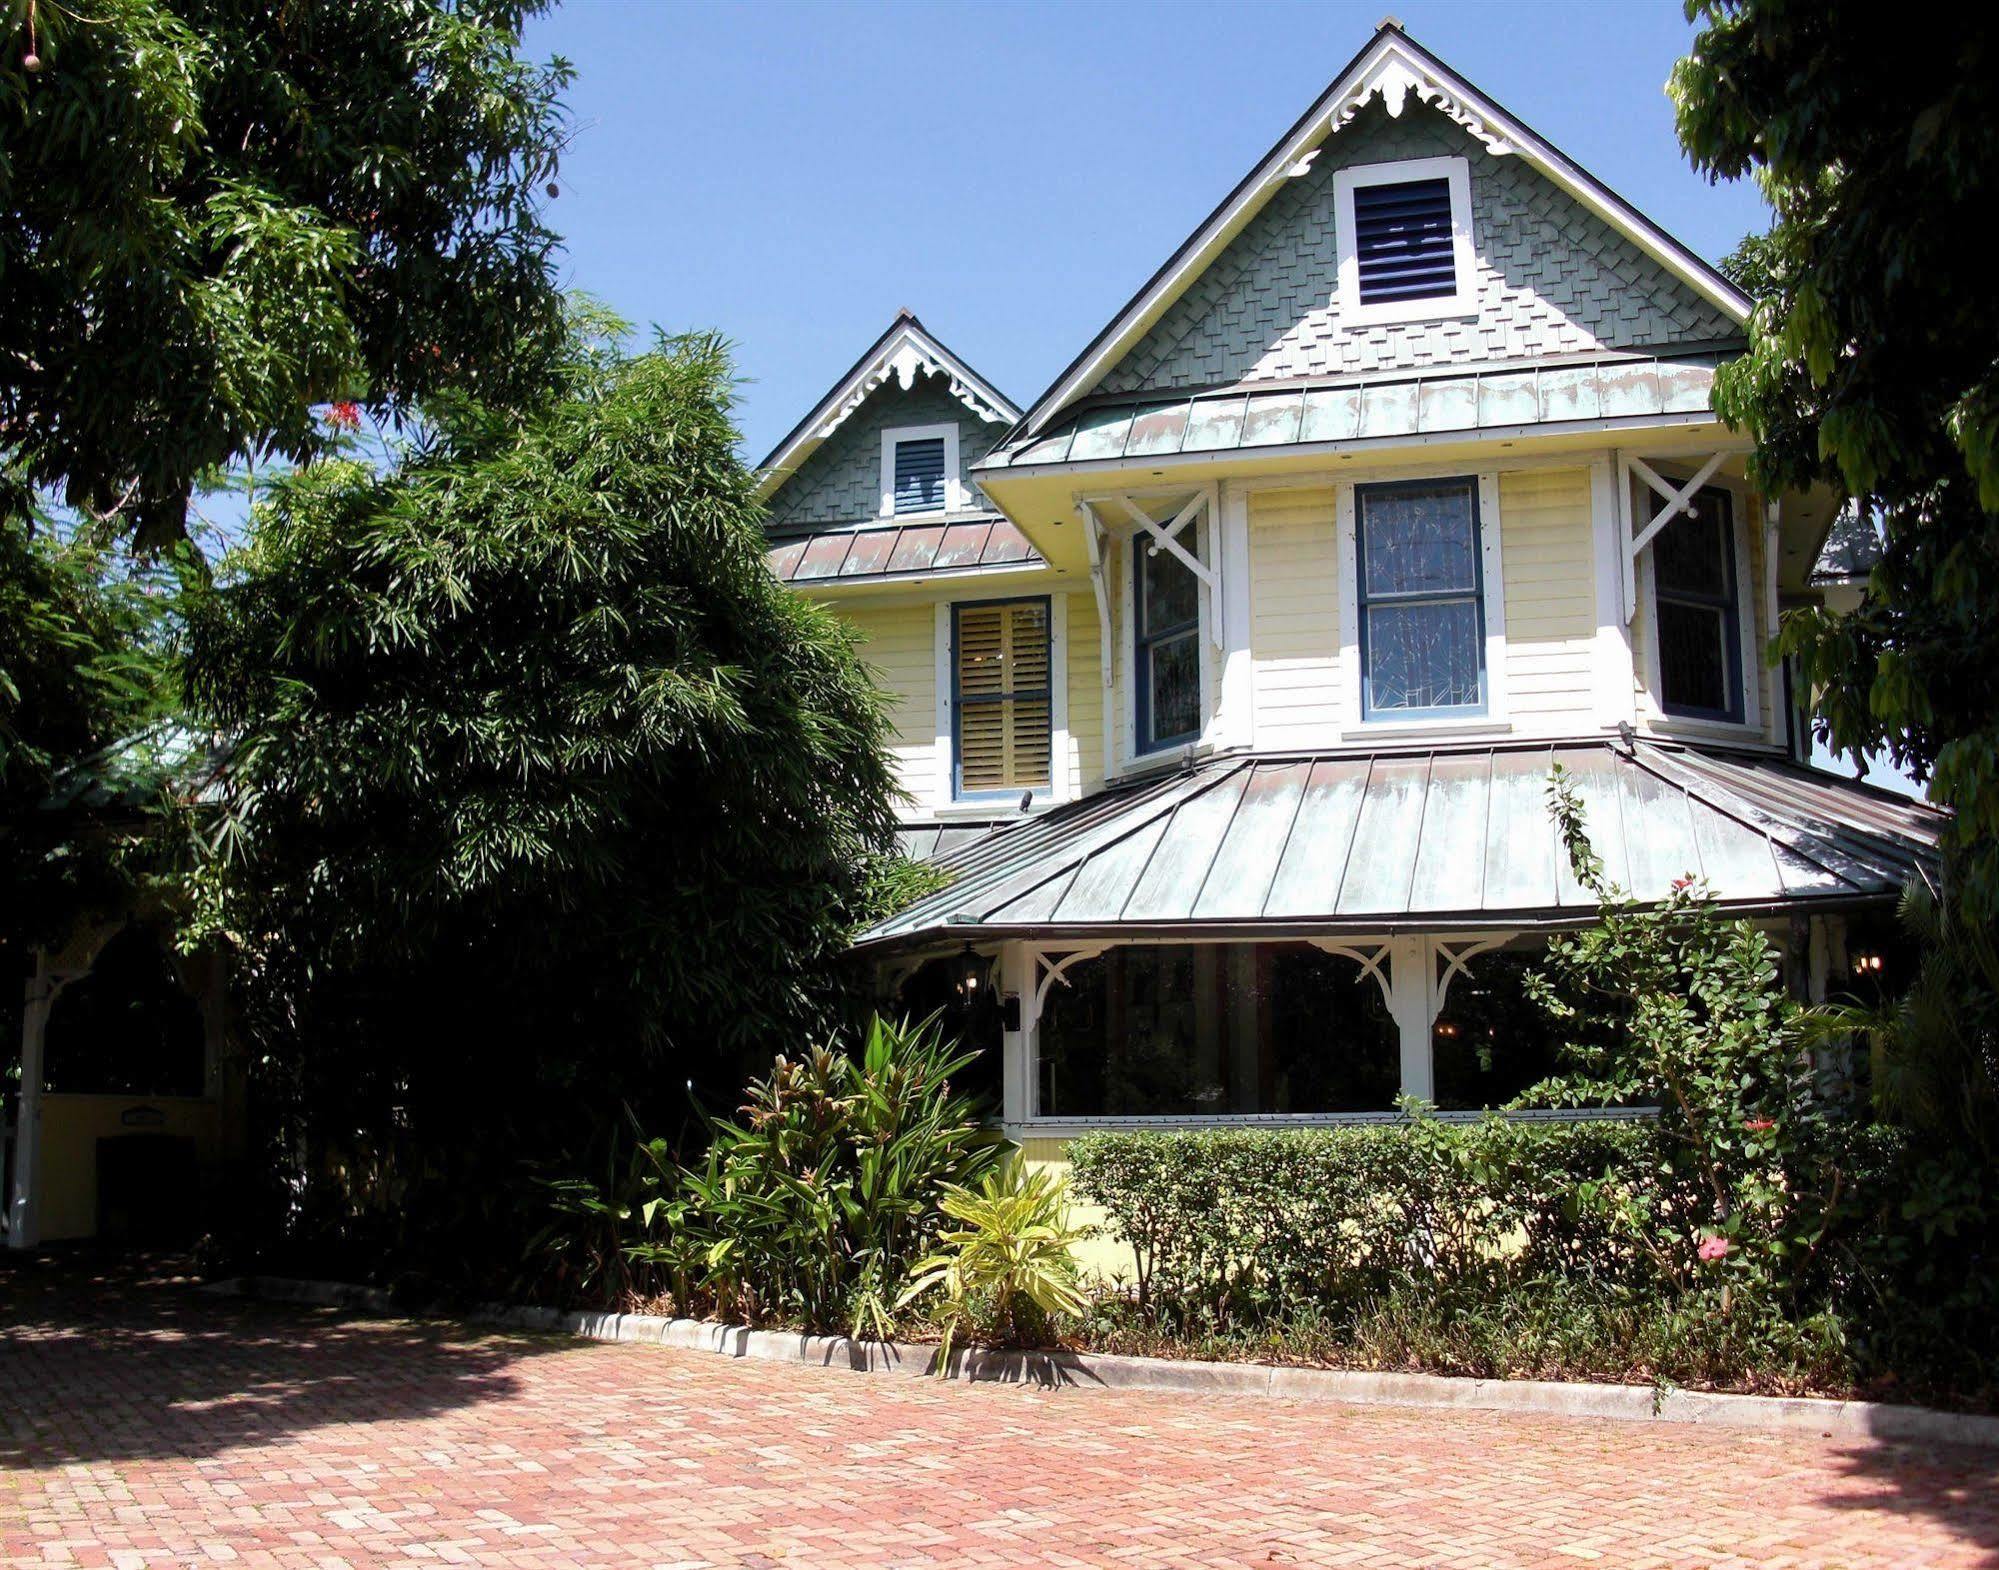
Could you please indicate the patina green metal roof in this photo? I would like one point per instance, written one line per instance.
(1373, 408)
(1422, 839)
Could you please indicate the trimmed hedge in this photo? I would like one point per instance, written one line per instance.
(1244, 1226)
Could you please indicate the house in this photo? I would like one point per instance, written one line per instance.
(1229, 674)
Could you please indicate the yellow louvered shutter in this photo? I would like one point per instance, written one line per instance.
(1003, 696)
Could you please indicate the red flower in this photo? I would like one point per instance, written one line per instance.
(344, 415)
(1680, 885)
(1713, 1248)
(1758, 1125)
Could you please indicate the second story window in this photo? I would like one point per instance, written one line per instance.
(1420, 600)
(1002, 699)
(919, 470)
(1699, 612)
(1166, 648)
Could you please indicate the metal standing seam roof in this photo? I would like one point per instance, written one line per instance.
(1376, 408)
(898, 549)
(1451, 837)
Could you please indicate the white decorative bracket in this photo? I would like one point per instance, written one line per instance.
(1049, 971)
(1457, 956)
(906, 361)
(1372, 959)
(1678, 499)
(1396, 78)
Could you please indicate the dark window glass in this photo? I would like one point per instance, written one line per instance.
(1699, 616)
(1402, 241)
(1194, 1030)
(1491, 1041)
(1166, 645)
(128, 1027)
(919, 475)
(1422, 619)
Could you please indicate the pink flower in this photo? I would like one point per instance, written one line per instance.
(1713, 1248)
(1681, 885)
(1758, 1125)
(344, 415)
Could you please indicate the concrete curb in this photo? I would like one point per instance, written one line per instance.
(1797, 1415)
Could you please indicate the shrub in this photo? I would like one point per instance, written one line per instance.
(813, 1208)
(1241, 1226)
(1012, 1264)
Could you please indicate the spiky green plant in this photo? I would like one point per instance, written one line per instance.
(1016, 1245)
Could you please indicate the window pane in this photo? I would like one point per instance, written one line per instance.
(1175, 691)
(1691, 554)
(919, 475)
(1693, 658)
(1423, 656)
(1492, 1041)
(1216, 1029)
(1419, 540)
(1169, 593)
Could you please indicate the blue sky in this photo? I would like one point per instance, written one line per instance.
(791, 173)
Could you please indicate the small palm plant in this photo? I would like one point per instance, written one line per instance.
(1015, 1247)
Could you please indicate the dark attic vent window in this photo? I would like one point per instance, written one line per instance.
(1402, 241)
(919, 475)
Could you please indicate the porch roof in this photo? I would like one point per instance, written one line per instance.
(1376, 407)
(1426, 839)
(957, 545)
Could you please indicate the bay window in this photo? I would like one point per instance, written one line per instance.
(1166, 648)
(1698, 610)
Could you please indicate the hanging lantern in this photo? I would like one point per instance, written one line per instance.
(969, 976)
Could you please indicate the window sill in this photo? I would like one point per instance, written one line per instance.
(1672, 726)
(1455, 308)
(1415, 730)
(993, 808)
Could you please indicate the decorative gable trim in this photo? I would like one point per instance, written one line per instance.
(903, 353)
(1396, 69)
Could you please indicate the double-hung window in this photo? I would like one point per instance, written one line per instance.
(1420, 600)
(1002, 696)
(1697, 598)
(1166, 648)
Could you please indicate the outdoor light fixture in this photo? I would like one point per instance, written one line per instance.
(1866, 964)
(969, 976)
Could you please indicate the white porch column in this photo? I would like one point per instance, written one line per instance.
(1017, 991)
(23, 1219)
(1411, 990)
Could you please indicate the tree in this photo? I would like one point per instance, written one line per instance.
(548, 795)
(216, 214)
(1873, 363)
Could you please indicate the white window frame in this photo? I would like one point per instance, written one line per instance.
(1493, 590)
(1456, 172)
(1748, 619)
(1203, 531)
(1063, 764)
(954, 485)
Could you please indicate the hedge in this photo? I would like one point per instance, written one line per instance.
(1246, 1225)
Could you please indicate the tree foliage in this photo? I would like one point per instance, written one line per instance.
(1873, 365)
(81, 670)
(215, 214)
(546, 792)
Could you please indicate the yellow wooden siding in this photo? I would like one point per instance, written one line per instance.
(1102, 1254)
(901, 649)
(1294, 617)
(1547, 555)
(1086, 692)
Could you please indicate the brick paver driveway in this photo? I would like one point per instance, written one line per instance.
(144, 1424)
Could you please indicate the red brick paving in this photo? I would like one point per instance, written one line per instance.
(142, 1424)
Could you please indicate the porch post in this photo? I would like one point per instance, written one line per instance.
(23, 1219)
(1017, 990)
(1412, 989)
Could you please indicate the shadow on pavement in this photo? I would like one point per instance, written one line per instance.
(125, 1358)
